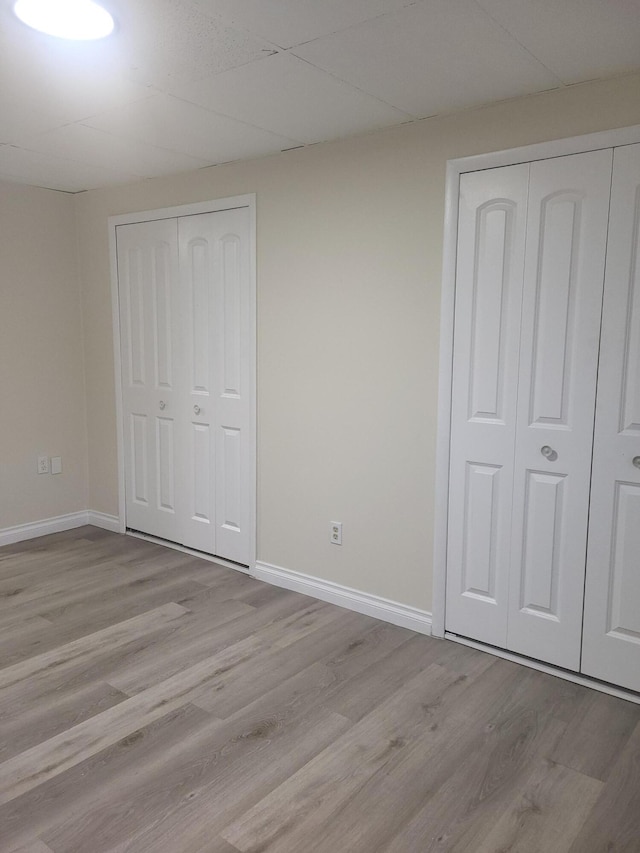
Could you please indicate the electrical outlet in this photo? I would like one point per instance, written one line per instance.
(43, 465)
(335, 532)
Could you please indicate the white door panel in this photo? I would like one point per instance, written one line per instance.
(147, 266)
(216, 282)
(233, 380)
(197, 253)
(611, 644)
(491, 242)
(564, 271)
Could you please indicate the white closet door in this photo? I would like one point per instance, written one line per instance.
(218, 331)
(151, 372)
(611, 644)
(564, 271)
(489, 277)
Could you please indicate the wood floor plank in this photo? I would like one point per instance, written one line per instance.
(55, 755)
(255, 630)
(84, 648)
(613, 825)
(598, 733)
(465, 789)
(265, 669)
(545, 814)
(290, 817)
(93, 798)
(38, 721)
(181, 797)
(35, 846)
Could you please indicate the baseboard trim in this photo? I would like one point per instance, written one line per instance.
(57, 524)
(103, 520)
(21, 532)
(344, 596)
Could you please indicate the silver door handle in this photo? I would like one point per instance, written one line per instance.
(548, 452)
(162, 404)
(196, 410)
(636, 461)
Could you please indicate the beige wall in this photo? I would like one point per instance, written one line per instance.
(349, 262)
(42, 401)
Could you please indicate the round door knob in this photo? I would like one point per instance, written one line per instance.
(162, 404)
(196, 410)
(636, 461)
(548, 452)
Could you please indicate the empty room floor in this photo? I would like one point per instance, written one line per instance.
(154, 701)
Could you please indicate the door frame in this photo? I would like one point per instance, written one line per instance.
(230, 203)
(455, 168)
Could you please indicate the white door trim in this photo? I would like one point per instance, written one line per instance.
(231, 203)
(509, 157)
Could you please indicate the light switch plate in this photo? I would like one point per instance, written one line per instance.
(56, 464)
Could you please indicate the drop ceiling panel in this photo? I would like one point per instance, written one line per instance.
(96, 148)
(291, 22)
(168, 122)
(22, 166)
(45, 82)
(288, 96)
(432, 57)
(576, 39)
(164, 42)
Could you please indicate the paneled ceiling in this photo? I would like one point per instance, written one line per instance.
(184, 84)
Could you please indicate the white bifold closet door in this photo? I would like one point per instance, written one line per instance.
(184, 287)
(489, 275)
(531, 244)
(567, 219)
(611, 644)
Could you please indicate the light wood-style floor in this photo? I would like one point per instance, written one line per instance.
(152, 701)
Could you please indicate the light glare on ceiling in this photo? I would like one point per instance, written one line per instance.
(67, 19)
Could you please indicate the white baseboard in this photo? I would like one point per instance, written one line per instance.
(362, 602)
(22, 532)
(101, 519)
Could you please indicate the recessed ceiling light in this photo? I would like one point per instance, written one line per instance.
(66, 19)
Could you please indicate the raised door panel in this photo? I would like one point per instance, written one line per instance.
(564, 271)
(611, 642)
(232, 385)
(198, 271)
(147, 271)
(489, 279)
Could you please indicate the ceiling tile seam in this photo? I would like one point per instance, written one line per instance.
(120, 137)
(75, 160)
(353, 87)
(154, 93)
(497, 23)
(297, 142)
(212, 76)
(407, 5)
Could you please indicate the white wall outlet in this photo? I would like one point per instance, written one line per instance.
(335, 532)
(56, 464)
(43, 464)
